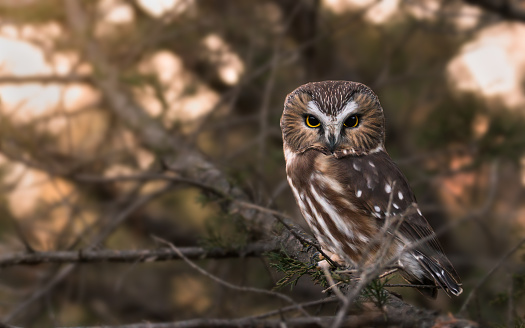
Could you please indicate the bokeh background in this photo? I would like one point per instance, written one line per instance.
(91, 90)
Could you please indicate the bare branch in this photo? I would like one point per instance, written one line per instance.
(126, 256)
(45, 79)
(397, 313)
(106, 231)
(190, 162)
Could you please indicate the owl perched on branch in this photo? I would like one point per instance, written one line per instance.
(350, 191)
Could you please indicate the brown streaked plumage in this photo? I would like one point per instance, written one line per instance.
(346, 184)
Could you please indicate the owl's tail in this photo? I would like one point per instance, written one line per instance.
(436, 274)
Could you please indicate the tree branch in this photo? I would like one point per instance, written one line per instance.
(46, 79)
(126, 256)
(397, 313)
(187, 161)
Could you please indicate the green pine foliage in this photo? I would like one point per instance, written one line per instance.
(376, 292)
(294, 269)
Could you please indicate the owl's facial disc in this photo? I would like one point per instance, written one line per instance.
(337, 118)
(332, 127)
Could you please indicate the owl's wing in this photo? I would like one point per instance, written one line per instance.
(380, 187)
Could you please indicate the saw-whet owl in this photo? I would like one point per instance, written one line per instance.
(347, 186)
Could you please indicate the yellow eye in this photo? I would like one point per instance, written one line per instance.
(312, 121)
(351, 122)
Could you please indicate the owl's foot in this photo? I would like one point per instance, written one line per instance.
(320, 260)
(333, 261)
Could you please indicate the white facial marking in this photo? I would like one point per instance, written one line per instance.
(371, 164)
(326, 120)
(388, 188)
(312, 106)
(400, 195)
(349, 108)
(358, 193)
(377, 208)
(332, 124)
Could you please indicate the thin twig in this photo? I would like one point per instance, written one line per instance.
(389, 272)
(294, 308)
(411, 286)
(333, 285)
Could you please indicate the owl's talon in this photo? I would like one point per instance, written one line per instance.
(317, 257)
(324, 264)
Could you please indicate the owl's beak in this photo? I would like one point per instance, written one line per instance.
(332, 142)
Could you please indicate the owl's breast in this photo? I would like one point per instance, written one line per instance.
(328, 204)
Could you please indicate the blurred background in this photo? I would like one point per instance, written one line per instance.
(95, 91)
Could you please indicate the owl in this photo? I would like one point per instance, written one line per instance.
(347, 186)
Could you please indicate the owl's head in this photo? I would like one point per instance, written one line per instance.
(335, 117)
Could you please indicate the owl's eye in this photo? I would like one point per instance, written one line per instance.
(312, 121)
(351, 122)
